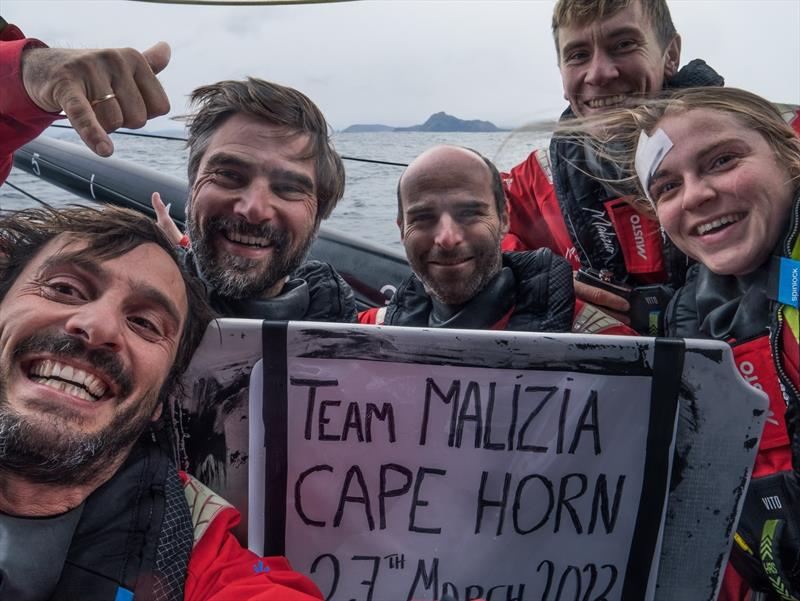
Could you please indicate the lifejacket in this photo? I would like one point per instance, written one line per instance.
(133, 538)
(532, 293)
(756, 365)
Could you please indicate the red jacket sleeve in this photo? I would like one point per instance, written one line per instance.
(534, 215)
(220, 569)
(368, 316)
(20, 119)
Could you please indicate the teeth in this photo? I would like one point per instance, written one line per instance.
(249, 240)
(605, 101)
(727, 219)
(61, 376)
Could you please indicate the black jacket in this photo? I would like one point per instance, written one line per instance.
(537, 284)
(314, 292)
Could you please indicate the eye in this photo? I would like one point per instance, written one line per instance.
(421, 219)
(228, 177)
(577, 56)
(623, 45)
(64, 290)
(661, 191)
(147, 327)
(291, 191)
(468, 214)
(723, 161)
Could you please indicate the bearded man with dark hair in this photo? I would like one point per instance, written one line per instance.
(263, 174)
(98, 321)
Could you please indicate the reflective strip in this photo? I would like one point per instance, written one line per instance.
(204, 504)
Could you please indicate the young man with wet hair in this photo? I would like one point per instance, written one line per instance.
(611, 53)
(91, 504)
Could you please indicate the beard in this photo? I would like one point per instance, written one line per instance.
(50, 447)
(458, 290)
(238, 277)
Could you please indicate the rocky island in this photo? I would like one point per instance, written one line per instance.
(438, 122)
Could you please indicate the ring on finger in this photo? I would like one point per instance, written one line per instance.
(103, 99)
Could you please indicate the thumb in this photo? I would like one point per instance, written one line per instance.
(158, 56)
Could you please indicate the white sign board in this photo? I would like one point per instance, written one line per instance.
(414, 464)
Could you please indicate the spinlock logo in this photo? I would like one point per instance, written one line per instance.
(772, 502)
(794, 286)
(638, 236)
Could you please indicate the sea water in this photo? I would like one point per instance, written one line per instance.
(369, 207)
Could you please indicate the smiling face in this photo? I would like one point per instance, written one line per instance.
(86, 346)
(722, 197)
(611, 62)
(451, 229)
(251, 218)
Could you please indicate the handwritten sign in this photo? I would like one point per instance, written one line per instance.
(392, 463)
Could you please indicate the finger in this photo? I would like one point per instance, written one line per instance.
(600, 297)
(151, 90)
(109, 114)
(164, 220)
(157, 56)
(133, 112)
(85, 121)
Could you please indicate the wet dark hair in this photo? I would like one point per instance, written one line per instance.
(109, 233)
(276, 104)
(497, 188)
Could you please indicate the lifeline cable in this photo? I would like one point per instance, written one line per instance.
(31, 196)
(179, 139)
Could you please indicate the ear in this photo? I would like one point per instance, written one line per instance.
(401, 228)
(672, 57)
(504, 224)
(157, 412)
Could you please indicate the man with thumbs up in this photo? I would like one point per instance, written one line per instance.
(97, 90)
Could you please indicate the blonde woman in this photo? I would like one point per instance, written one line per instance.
(720, 169)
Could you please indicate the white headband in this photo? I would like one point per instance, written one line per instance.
(650, 151)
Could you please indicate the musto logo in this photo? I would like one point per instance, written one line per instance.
(638, 236)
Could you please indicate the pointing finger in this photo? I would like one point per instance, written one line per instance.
(164, 220)
(83, 119)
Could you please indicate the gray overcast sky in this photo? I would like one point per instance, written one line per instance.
(396, 62)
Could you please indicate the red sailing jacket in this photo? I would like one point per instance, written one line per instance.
(20, 119)
(220, 569)
(536, 219)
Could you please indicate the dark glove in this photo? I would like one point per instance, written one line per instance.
(766, 550)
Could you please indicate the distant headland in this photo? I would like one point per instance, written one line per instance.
(438, 122)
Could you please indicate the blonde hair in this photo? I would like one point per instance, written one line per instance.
(614, 136)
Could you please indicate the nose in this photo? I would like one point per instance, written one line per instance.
(99, 324)
(449, 232)
(601, 70)
(256, 202)
(696, 191)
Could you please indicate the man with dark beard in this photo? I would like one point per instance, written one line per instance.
(97, 324)
(451, 211)
(263, 175)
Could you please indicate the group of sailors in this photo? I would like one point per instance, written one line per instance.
(656, 177)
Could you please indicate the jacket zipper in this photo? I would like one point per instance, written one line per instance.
(783, 378)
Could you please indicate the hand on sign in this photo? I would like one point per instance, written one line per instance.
(613, 304)
(98, 90)
(164, 220)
